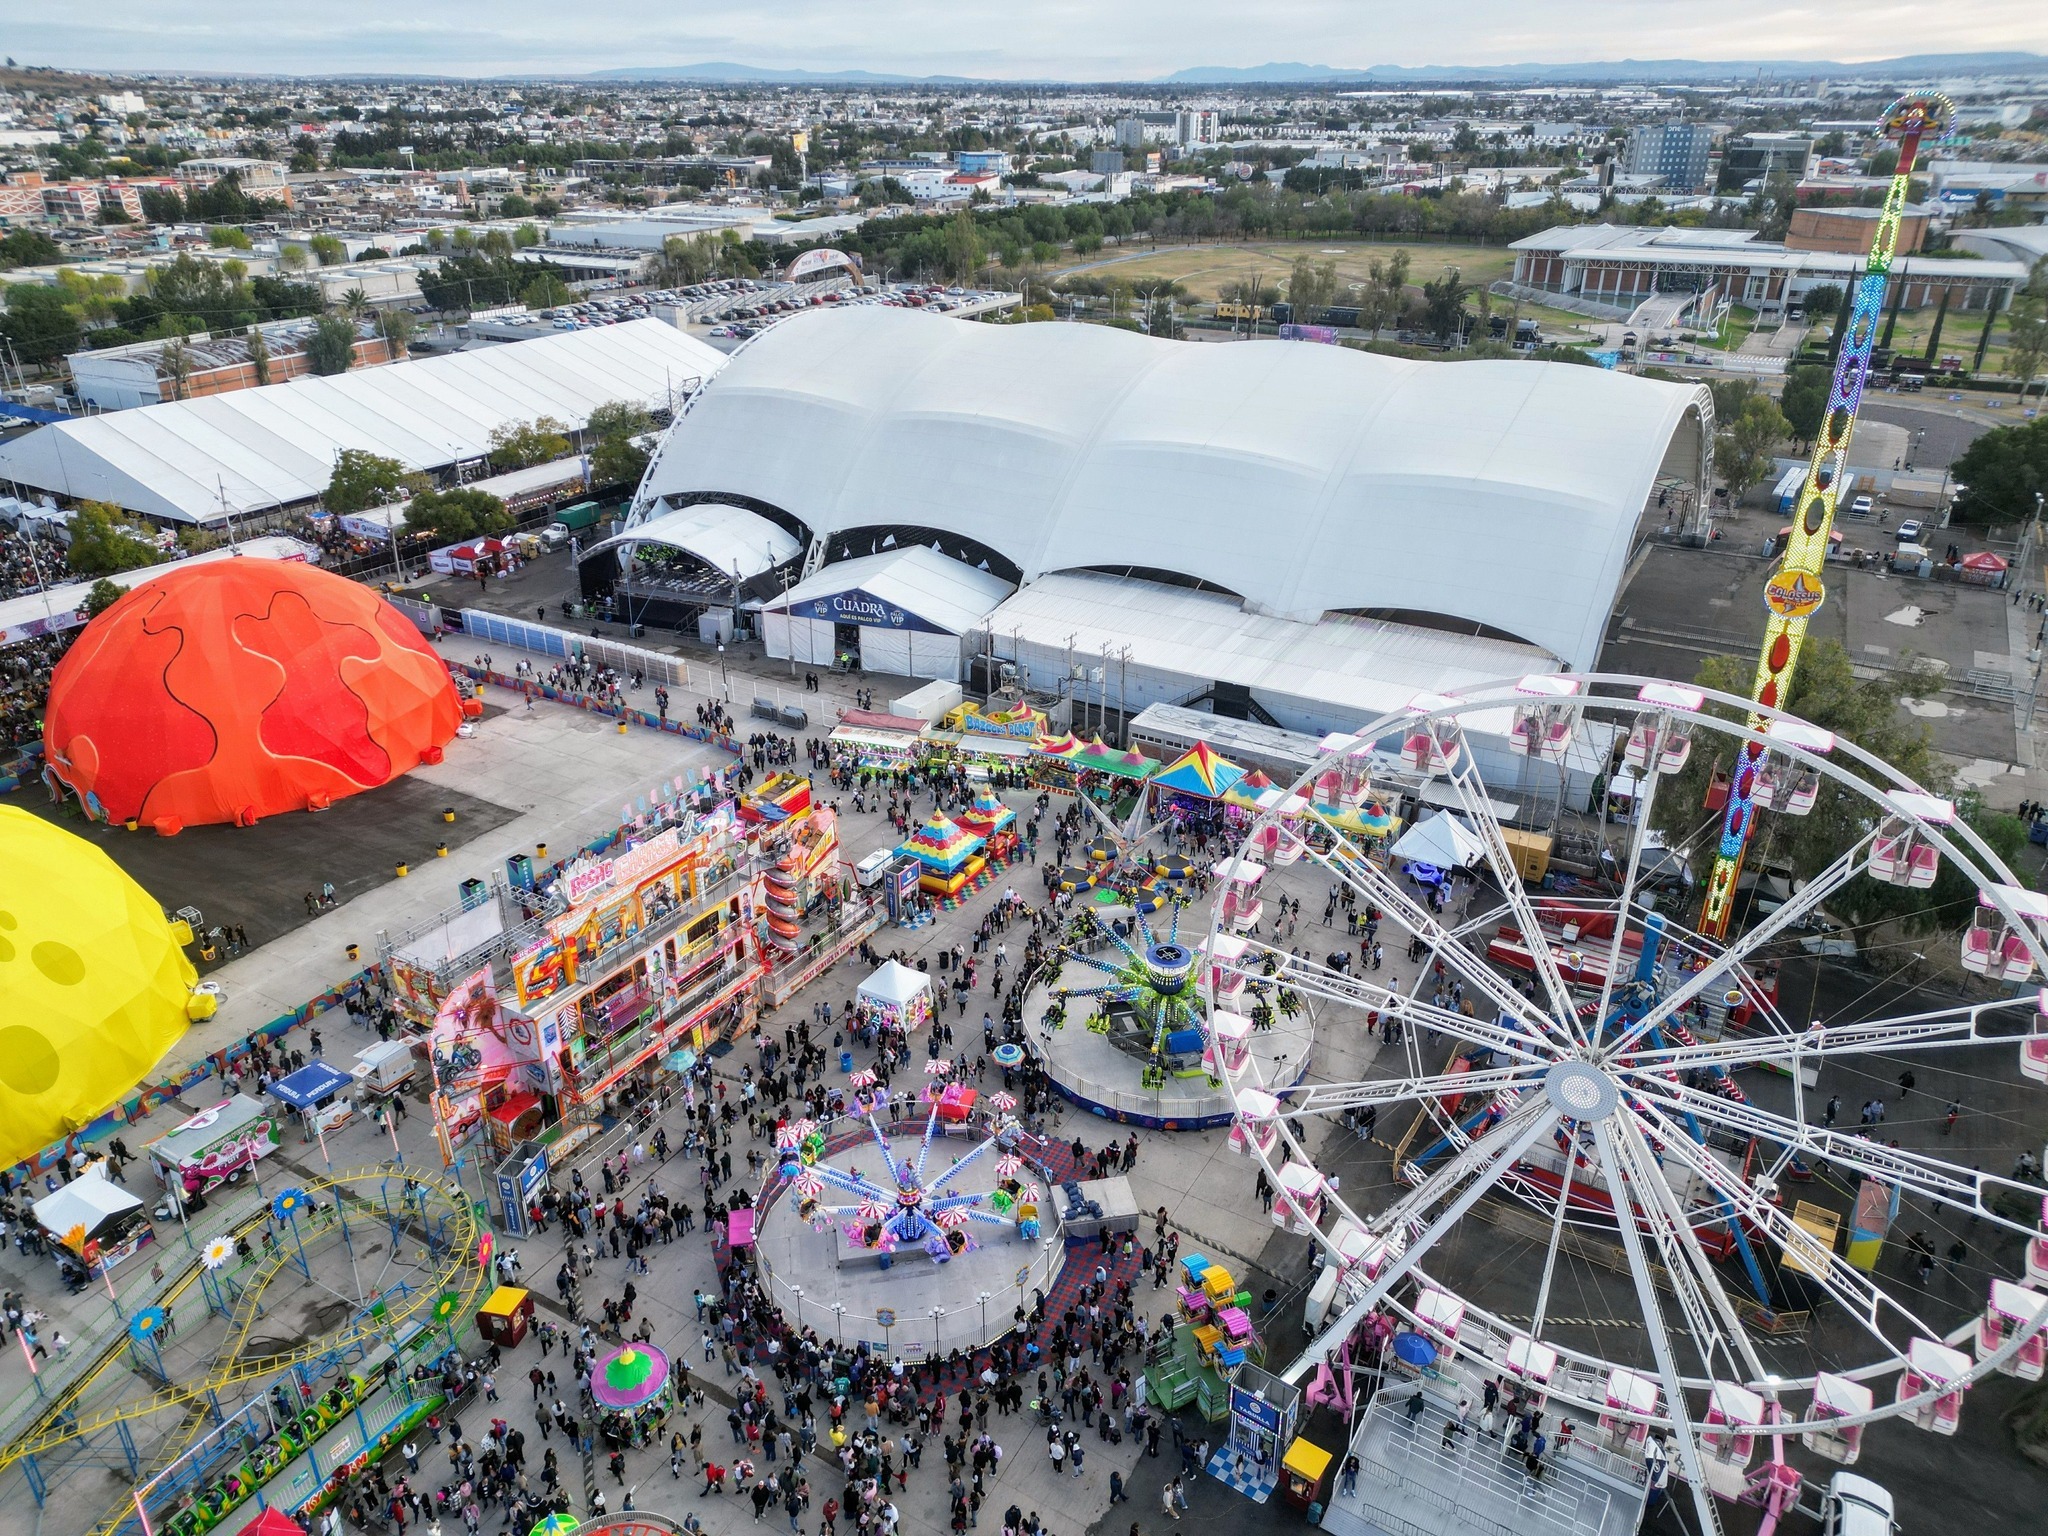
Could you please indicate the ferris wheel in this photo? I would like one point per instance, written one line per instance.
(1578, 1054)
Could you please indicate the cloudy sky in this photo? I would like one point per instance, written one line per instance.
(1065, 39)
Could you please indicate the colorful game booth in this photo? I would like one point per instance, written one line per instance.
(895, 997)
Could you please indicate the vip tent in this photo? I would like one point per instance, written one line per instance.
(904, 612)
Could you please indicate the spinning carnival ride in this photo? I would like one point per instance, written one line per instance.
(913, 1213)
(1152, 982)
(1598, 1080)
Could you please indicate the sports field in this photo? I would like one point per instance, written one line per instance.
(1203, 269)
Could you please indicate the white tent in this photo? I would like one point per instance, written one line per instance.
(897, 993)
(1511, 490)
(89, 1202)
(218, 456)
(1443, 840)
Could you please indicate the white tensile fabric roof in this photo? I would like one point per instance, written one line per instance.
(1306, 478)
(920, 580)
(726, 538)
(255, 449)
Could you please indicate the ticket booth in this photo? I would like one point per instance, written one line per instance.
(505, 1316)
(1305, 1474)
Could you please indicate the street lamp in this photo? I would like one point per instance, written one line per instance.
(938, 1315)
(797, 1291)
(984, 1299)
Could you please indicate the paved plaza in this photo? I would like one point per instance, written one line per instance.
(558, 775)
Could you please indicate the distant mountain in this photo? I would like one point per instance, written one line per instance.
(1612, 71)
(749, 74)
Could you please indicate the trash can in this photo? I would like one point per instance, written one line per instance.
(846, 1061)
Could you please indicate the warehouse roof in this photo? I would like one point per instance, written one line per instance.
(1306, 479)
(201, 461)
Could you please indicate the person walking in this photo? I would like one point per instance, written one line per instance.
(1167, 1497)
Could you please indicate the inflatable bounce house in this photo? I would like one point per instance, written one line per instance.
(94, 983)
(237, 689)
(948, 854)
(991, 821)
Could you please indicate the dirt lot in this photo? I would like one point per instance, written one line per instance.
(1205, 268)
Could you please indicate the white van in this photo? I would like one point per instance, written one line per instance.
(870, 870)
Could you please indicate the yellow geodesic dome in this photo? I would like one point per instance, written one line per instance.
(93, 986)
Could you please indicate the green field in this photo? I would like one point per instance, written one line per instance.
(1203, 269)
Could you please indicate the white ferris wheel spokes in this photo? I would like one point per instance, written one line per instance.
(1600, 1083)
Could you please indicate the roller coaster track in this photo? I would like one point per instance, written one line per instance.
(61, 1421)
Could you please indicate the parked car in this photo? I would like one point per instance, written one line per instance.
(1909, 531)
(1855, 1506)
(1862, 506)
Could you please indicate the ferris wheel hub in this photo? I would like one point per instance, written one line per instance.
(1581, 1091)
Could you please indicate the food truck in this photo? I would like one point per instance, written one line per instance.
(215, 1145)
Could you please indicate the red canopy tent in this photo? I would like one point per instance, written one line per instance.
(1983, 568)
(273, 1522)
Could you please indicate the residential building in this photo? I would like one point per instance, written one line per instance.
(1678, 152)
(1204, 125)
(257, 178)
(983, 162)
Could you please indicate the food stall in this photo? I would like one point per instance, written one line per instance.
(314, 1093)
(505, 1316)
(215, 1145)
(93, 1219)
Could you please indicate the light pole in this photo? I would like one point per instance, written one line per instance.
(938, 1315)
(984, 1299)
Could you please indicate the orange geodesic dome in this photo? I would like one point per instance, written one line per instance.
(234, 689)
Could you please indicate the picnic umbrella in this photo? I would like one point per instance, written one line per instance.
(1009, 1166)
(951, 1216)
(1413, 1349)
(938, 1066)
(1002, 1103)
(862, 1079)
(555, 1525)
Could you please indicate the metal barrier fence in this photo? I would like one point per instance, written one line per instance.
(547, 640)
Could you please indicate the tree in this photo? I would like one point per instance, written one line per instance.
(1730, 396)
(518, 444)
(225, 237)
(1443, 302)
(332, 346)
(514, 206)
(40, 322)
(259, 355)
(545, 292)
(162, 205)
(526, 236)
(964, 248)
(396, 327)
(454, 516)
(102, 595)
(1311, 286)
(1742, 453)
(175, 364)
(2026, 327)
(362, 479)
(294, 258)
(2001, 473)
(328, 250)
(103, 542)
(1823, 301)
(28, 248)
(615, 459)
(1805, 402)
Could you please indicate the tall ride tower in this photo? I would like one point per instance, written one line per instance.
(1794, 592)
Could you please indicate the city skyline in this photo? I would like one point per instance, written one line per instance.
(1058, 41)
